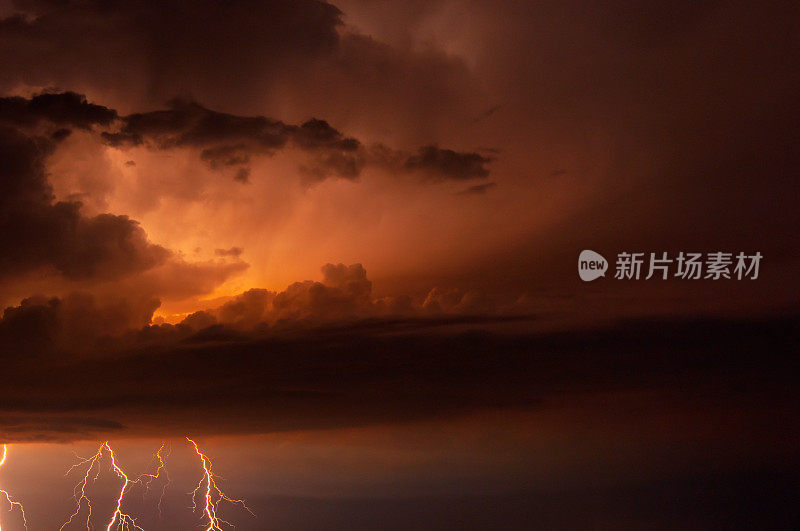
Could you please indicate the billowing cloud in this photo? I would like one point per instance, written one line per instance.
(343, 294)
(71, 324)
(55, 242)
(37, 232)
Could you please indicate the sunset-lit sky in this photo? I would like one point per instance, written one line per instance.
(339, 241)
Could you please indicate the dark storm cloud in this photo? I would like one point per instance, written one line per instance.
(440, 164)
(36, 232)
(41, 236)
(75, 325)
(230, 141)
(188, 123)
(64, 108)
(84, 324)
(328, 354)
(222, 156)
(227, 140)
(388, 370)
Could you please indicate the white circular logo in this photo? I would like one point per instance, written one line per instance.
(591, 265)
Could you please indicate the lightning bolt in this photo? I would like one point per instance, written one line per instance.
(148, 479)
(211, 494)
(12, 504)
(207, 490)
(120, 521)
(81, 486)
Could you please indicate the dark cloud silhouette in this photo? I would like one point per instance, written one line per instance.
(222, 156)
(188, 123)
(37, 232)
(70, 324)
(61, 108)
(441, 164)
(56, 242)
(227, 140)
(230, 141)
(358, 372)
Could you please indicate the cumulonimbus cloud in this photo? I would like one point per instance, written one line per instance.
(38, 232)
(51, 238)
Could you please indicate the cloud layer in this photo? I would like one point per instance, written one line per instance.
(229, 141)
(387, 371)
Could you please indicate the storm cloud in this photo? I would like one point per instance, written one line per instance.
(38, 232)
(227, 140)
(62, 108)
(439, 163)
(396, 370)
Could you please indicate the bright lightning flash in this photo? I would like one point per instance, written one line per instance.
(207, 490)
(120, 521)
(212, 495)
(12, 504)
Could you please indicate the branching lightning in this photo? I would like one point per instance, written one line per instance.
(148, 479)
(211, 494)
(120, 520)
(206, 496)
(11, 503)
(81, 487)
